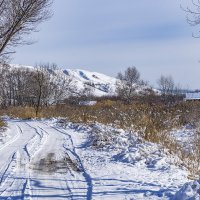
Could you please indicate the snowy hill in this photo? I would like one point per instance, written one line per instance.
(100, 84)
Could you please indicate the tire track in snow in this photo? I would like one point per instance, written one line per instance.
(14, 181)
(55, 176)
(36, 130)
(11, 165)
(73, 152)
(34, 148)
(7, 168)
(43, 137)
(20, 185)
(30, 152)
(19, 182)
(11, 141)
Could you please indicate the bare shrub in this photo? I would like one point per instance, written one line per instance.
(2, 125)
(100, 138)
(19, 112)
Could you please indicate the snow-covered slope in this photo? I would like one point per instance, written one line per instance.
(100, 84)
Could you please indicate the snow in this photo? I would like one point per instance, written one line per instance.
(56, 159)
(193, 96)
(87, 103)
(103, 85)
(100, 84)
(149, 173)
(20, 66)
(185, 136)
(190, 191)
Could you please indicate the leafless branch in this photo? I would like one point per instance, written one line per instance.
(19, 18)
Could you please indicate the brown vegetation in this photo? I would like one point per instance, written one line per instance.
(2, 124)
(152, 121)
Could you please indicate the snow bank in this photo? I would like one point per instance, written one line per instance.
(190, 191)
(127, 146)
(122, 165)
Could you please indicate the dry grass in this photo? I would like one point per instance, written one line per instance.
(19, 112)
(2, 125)
(152, 122)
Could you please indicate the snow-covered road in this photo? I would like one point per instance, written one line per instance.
(40, 162)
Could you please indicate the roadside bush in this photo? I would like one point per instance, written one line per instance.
(19, 112)
(2, 124)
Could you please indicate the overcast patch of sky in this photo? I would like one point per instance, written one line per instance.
(109, 35)
(101, 21)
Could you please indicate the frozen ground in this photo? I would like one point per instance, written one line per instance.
(185, 136)
(50, 160)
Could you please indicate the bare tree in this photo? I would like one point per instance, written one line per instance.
(60, 86)
(166, 84)
(43, 86)
(193, 14)
(171, 91)
(50, 86)
(87, 92)
(19, 18)
(128, 83)
(4, 71)
(39, 82)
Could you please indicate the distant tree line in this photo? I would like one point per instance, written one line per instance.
(33, 87)
(46, 85)
(130, 87)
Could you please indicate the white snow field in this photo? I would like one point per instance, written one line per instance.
(44, 160)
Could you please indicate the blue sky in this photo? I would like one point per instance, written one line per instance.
(110, 35)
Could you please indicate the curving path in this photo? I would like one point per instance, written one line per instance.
(40, 162)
